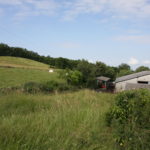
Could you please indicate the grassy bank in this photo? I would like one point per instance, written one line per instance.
(7, 61)
(71, 121)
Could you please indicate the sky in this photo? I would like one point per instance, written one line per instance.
(111, 31)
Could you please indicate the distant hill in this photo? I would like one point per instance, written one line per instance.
(61, 63)
(6, 61)
(16, 71)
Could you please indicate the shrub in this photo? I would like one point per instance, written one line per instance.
(49, 86)
(63, 87)
(31, 87)
(74, 78)
(130, 120)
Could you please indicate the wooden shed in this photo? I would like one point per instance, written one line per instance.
(102, 82)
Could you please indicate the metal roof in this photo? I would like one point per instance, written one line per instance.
(132, 76)
(103, 78)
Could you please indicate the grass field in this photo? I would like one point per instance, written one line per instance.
(72, 121)
(60, 121)
(10, 77)
(24, 70)
(6, 61)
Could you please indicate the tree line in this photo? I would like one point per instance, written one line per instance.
(89, 70)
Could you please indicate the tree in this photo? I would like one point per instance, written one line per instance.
(124, 73)
(101, 69)
(124, 69)
(142, 68)
(88, 71)
(75, 78)
(4, 50)
(111, 72)
(124, 66)
(72, 77)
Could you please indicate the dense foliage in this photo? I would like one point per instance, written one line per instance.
(130, 120)
(46, 87)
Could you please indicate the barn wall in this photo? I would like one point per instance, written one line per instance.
(132, 86)
(121, 86)
(144, 78)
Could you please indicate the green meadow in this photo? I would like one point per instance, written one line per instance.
(68, 121)
(7, 61)
(11, 77)
(17, 71)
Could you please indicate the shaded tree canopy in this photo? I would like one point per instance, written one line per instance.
(124, 66)
(142, 68)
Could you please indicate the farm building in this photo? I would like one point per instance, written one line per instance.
(133, 81)
(104, 84)
(102, 81)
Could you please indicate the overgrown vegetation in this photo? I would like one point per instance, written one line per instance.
(68, 121)
(130, 120)
(47, 87)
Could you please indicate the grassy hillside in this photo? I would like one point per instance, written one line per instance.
(17, 76)
(22, 71)
(21, 63)
(73, 121)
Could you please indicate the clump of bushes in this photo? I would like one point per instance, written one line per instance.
(47, 87)
(74, 78)
(32, 87)
(130, 120)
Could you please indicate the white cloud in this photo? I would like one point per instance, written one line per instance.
(24, 8)
(114, 8)
(133, 61)
(70, 9)
(43, 4)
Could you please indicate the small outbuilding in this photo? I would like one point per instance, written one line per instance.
(133, 81)
(102, 82)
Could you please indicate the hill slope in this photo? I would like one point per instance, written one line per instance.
(17, 71)
(6, 61)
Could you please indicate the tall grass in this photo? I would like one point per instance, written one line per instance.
(69, 121)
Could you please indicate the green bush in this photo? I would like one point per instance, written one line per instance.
(63, 87)
(130, 120)
(49, 86)
(74, 78)
(31, 87)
